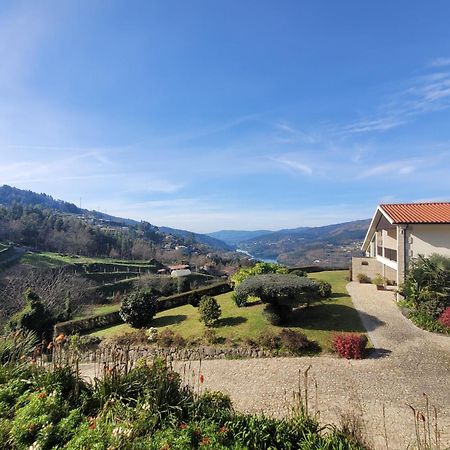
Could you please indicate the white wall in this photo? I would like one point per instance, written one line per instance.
(428, 239)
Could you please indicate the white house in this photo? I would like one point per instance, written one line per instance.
(400, 232)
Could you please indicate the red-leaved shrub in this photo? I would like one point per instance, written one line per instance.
(350, 345)
(444, 318)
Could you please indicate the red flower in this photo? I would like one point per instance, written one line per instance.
(42, 395)
(201, 378)
(224, 429)
(205, 441)
(183, 426)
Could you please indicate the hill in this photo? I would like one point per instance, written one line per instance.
(330, 245)
(234, 237)
(10, 196)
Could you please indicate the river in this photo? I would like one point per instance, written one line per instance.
(267, 260)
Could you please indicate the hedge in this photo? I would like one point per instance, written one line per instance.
(87, 324)
(182, 299)
(113, 318)
(116, 267)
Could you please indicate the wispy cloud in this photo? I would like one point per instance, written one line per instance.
(440, 62)
(419, 95)
(395, 167)
(292, 164)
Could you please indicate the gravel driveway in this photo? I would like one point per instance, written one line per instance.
(408, 363)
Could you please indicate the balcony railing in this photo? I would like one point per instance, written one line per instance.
(390, 253)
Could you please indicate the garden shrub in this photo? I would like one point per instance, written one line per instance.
(272, 316)
(270, 340)
(213, 406)
(33, 316)
(167, 338)
(299, 272)
(363, 278)
(427, 285)
(444, 318)
(239, 300)
(350, 345)
(323, 288)
(194, 299)
(211, 337)
(295, 341)
(259, 268)
(209, 310)
(138, 308)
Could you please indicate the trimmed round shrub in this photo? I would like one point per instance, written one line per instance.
(323, 288)
(444, 318)
(139, 308)
(209, 310)
(350, 345)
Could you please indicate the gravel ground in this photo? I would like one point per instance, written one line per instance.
(407, 364)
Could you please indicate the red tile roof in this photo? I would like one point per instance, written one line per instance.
(418, 212)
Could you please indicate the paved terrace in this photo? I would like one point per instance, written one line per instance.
(408, 362)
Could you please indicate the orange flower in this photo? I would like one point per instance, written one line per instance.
(60, 337)
(205, 441)
(201, 378)
(224, 429)
(92, 423)
(183, 426)
(42, 395)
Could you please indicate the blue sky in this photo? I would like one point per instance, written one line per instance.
(210, 115)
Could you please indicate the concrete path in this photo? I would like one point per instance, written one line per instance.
(408, 363)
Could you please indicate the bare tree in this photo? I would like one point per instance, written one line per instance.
(54, 286)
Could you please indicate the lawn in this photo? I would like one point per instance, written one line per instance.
(41, 260)
(318, 322)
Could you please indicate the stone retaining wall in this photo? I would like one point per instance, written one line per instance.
(109, 354)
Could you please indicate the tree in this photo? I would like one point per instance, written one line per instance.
(138, 308)
(259, 268)
(209, 310)
(33, 316)
(273, 288)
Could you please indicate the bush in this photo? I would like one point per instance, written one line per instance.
(213, 406)
(209, 310)
(299, 272)
(194, 299)
(444, 318)
(350, 345)
(363, 278)
(33, 316)
(324, 288)
(272, 316)
(138, 308)
(259, 268)
(239, 300)
(379, 280)
(271, 288)
(294, 341)
(427, 285)
(211, 337)
(167, 338)
(270, 340)
(277, 314)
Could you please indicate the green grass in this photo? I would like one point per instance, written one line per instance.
(318, 322)
(41, 260)
(95, 310)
